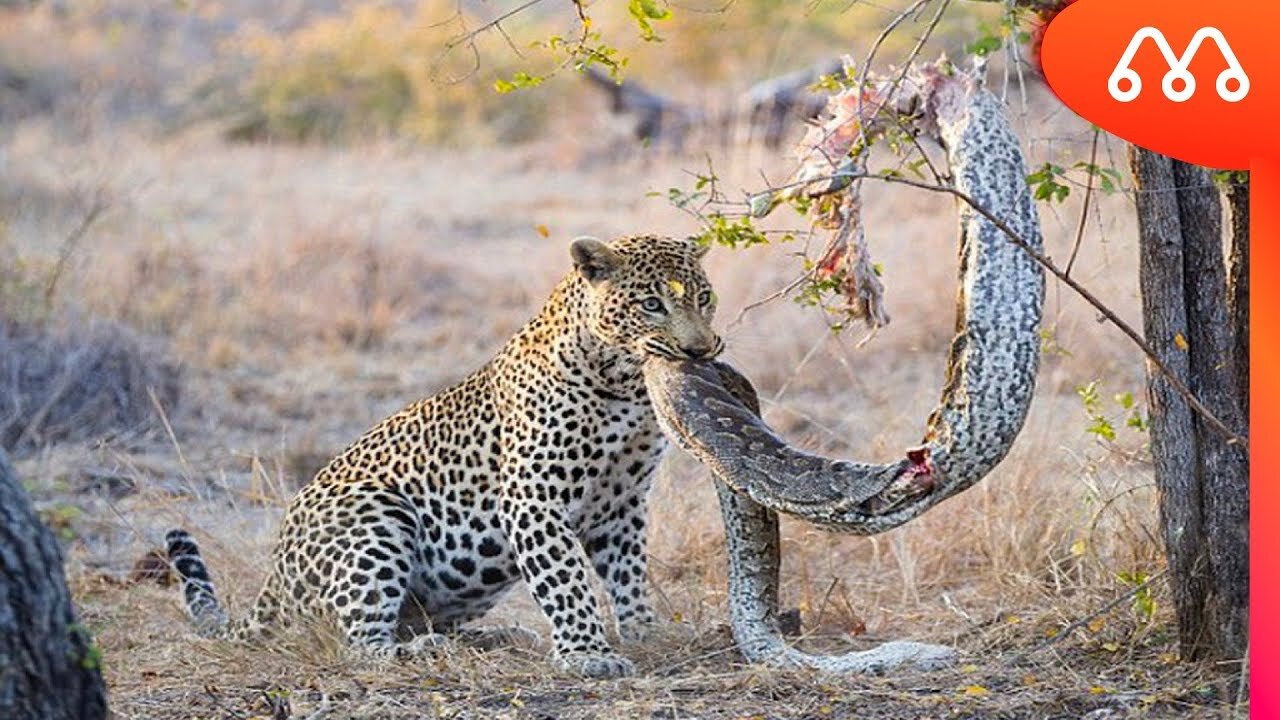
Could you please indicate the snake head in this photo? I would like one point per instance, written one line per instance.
(917, 479)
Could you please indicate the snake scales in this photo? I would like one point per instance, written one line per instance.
(710, 410)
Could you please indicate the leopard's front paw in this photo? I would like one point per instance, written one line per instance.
(493, 637)
(419, 646)
(594, 665)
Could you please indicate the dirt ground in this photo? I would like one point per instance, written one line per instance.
(306, 292)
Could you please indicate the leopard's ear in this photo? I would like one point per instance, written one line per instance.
(700, 247)
(594, 260)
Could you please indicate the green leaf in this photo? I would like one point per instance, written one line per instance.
(1102, 427)
(741, 232)
(649, 9)
(1089, 395)
(1230, 177)
(518, 81)
(1045, 182)
(1137, 421)
(1093, 407)
(644, 12)
(683, 199)
(1049, 343)
(1108, 178)
(1144, 602)
(984, 45)
(834, 82)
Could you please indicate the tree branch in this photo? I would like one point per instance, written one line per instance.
(1124, 327)
(1084, 209)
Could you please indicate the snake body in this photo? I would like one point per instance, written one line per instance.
(711, 410)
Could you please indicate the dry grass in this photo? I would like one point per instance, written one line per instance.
(309, 292)
(78, 383)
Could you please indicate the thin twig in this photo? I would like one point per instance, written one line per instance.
(1085, 620)
(1084, 211)
(915, 51)
(795, 372)
(885, 32)
(72, 241)
(906, 65)
(938, 175)
(473, 34)
(826, 599)
(173, 438)
(781, 292)
(511, 43)
(1106, 505)
(1241, 709)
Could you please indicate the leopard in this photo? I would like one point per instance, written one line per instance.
(536, 467)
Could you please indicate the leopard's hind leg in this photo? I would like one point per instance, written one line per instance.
(365, 566)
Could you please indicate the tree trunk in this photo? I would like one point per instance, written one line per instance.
(48, 663)
(1173, 438)
(1223, 467)
(1238, 288)
(1203, 480)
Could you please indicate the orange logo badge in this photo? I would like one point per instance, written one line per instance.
(1195, 80)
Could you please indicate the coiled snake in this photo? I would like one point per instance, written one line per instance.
(711, 411)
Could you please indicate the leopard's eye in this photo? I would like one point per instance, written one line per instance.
(705, 298)
(652, 305)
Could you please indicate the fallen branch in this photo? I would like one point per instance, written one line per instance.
(1085, 620)
(657, 118)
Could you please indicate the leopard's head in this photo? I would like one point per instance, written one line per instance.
(649, 295)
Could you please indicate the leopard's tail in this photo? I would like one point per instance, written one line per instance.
(197, 587)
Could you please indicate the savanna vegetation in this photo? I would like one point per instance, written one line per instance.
(234, 234)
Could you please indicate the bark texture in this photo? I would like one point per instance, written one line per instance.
(1223, 468)
(1203, 480)
(1238, 285)
(48, 664)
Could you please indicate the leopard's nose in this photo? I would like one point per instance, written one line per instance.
(700, 349)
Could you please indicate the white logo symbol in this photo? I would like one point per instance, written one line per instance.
(1178, 74)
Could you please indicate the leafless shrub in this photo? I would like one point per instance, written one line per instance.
(80, 382)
